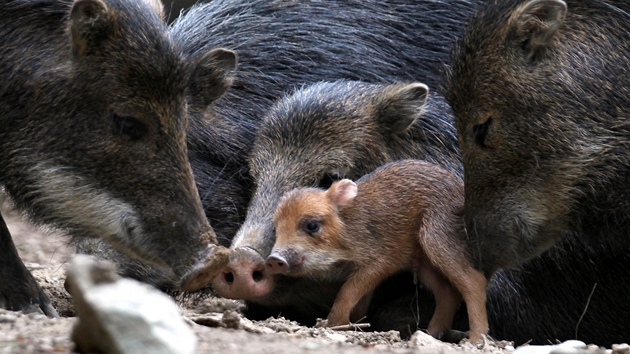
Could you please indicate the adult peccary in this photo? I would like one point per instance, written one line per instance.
(540, 93)
(93, 138)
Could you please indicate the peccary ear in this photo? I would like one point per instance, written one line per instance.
(214, 73)
(342, 192)
(158, 8)
(399, 106)
(538, 21)
(91, 23)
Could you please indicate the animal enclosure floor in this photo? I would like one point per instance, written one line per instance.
(224, 330)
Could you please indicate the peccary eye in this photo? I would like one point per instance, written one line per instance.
(328, 179)
(479, 132)
(129, 126)
(312, 227)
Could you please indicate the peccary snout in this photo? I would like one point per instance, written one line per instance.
(244, 277)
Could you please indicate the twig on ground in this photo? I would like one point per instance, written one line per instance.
(350, 326)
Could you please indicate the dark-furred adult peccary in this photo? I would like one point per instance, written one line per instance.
(282, 46)
(321, 133)
(540, 93)
(93, 138)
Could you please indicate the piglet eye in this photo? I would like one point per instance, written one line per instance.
(479, 132)
(125, 125)
(312, 227)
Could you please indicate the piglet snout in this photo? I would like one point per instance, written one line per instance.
(277, 263)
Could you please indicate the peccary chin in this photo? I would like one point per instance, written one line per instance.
(309, 120)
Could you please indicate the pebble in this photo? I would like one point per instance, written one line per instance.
(622, 348)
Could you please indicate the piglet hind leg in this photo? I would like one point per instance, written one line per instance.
(18, 289)
(358, 286)
(450, 268)
(472, 285)
(447, 301)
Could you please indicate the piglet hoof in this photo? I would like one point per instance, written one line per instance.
(206, 269)
(321, 323)
(479, 341)
(452, 336)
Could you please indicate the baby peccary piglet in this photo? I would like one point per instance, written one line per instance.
(402, 216)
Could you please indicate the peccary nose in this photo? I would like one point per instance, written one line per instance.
(244, 277)
(212, 263)
(276, 264)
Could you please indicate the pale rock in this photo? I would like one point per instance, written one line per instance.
(123, 316)
(568, 347)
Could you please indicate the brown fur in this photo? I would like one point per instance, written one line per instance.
(404, 216)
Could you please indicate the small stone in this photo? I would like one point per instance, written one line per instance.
(568, 347)
(311, 345)
(336, 337)
(231, 319)
(422, 339)
(45, 348)
(622, 348)
(35, 313)
(568, 350)
(572, 344)
(209, 319)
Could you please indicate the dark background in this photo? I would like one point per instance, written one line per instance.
(172, 8)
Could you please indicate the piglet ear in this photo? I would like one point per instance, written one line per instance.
(90, 24)
(214, 73)
(538, 21)
(342, 192)
(399, 106)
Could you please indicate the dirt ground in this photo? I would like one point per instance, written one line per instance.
(217, 322)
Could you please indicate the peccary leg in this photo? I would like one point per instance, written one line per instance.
(472, 285)
(447, 300)
(449, 258)
(467, 283)
(361, 308)
(18, 289)
(356, 287)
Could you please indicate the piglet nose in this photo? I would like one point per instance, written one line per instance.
(276, 264)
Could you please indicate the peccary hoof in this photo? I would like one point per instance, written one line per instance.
(18, 289)
(22, 293)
